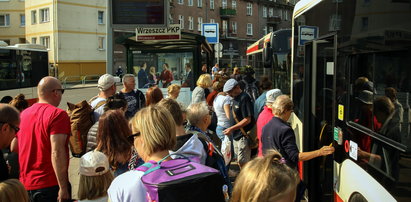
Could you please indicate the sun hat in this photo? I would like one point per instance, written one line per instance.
(229, 85)
(94, 163)
(105, 82)
(271, 95)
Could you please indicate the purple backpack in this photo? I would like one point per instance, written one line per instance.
(181, 180)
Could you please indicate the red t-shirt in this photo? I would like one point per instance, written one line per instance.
(265, 116)
(38, 122)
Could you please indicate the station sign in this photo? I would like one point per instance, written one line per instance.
(307, 33)
(170, 33)
(210, 32)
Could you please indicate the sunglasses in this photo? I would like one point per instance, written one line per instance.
(62, 90)
(15, 128)
(132, 137)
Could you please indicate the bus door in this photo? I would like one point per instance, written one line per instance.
(319, 111)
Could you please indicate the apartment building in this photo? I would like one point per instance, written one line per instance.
(12, 21)
(73, 31)
(275, 15)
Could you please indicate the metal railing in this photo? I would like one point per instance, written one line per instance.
(83, 79)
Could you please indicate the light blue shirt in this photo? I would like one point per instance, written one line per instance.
(259, 104)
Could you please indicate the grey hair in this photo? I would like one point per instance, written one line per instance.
(127, 76)
(196, 112)
(9, 114)
(282, 104)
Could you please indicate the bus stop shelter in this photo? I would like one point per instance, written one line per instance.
(191, 49)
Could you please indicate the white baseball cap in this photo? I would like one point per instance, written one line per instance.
(272, 94)
(94, 163)
(105, 82)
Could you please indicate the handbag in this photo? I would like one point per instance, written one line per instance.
(251, 135)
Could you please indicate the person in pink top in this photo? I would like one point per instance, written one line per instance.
(266, 115)
(43, 145)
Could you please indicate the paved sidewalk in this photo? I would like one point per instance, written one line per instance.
(74, 176)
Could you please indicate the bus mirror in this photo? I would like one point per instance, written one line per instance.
(268, 57)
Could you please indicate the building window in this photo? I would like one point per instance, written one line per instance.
(211, 4)
(280, 13)
(199, 3)
(271, 29)
(100, 43)
(270, 12)
(190, 2)
(264, 12)
(22, 20)
(335, 22)
(249, 29)
(45, 15)
(190, 23)
(224, 4)
(45, 41)
(33, 17)
(234, 27)
(4, 20)
(181, 2)
(249, 9)
(181, 21)
(265, 30)
(34, 40)
(234, 4)
(364, 23)
(286, 15)
(212, 21)
(200, 22)
(100, 17)
(225, 27)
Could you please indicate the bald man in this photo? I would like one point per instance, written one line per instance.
(9, 126)
(43, 145)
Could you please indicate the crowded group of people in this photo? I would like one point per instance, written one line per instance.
(132, 129)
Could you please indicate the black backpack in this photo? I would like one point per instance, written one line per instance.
(251, 89)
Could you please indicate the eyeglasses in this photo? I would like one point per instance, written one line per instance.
(62, 90)
(132, 137)
(15, 128)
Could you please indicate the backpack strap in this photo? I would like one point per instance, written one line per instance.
(99, 104)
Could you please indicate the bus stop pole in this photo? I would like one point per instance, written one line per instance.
(109, 49)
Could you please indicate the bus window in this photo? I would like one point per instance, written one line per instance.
(8, 69)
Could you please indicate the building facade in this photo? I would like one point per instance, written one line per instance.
(12, 21)
(74, 32)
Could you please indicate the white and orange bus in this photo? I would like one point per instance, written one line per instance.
(347, 54)
(21, 68)
(270, 56)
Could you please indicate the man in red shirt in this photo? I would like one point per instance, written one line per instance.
(43, 145)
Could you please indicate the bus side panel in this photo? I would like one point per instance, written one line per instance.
(353, 179)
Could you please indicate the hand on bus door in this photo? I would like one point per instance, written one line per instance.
(326, 150)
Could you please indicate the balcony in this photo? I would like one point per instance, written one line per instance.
(273, 20)
(227, 12)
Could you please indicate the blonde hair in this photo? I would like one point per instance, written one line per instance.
(153, 70)
(204, 81)
(12, 190)
(157, 128)
(173, 88)
(94, 187)
(282, 104)
(265, 178)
